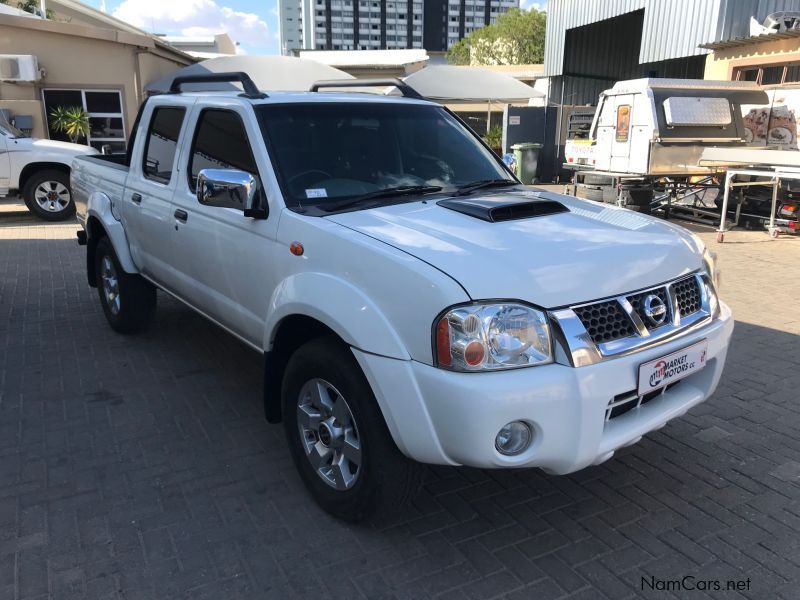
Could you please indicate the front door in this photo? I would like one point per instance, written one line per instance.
(147, 201)
(223, 260)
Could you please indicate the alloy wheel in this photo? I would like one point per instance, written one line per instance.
(52, 196)
(329, 434)
(108, 273)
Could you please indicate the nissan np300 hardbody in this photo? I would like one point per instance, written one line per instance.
(411, 298)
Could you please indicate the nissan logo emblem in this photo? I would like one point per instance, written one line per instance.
(655, 310)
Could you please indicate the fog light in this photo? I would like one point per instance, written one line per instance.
(513, 438)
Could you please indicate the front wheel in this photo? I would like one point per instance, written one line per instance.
(48, 196)
(128, 300)
(337, 435)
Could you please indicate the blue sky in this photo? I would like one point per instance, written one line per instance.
(252, 23)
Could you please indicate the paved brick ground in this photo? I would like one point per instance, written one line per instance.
(141, 468)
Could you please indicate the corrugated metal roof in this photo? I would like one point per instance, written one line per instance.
(753, 39)
(671, 28)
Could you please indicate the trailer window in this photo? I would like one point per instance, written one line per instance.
(623, 122)
(691, 111)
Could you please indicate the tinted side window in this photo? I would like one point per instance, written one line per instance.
(220, 142)
(162, 143)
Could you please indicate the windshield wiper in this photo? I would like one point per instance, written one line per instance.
(468, 188)
(400, 190)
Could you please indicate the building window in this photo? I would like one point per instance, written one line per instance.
(769, 75)
(104, 108)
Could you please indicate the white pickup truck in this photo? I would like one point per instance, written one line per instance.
(39, 170)
(411, 299)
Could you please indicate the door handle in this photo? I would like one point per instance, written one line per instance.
(137, 198)
(181, 215)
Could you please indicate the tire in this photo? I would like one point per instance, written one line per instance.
(595, 194)
(128, 301)
(47, 195)
(348, 429)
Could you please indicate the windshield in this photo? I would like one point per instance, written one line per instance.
(329, 151)
(9, 130)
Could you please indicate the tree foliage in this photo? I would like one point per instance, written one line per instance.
(516, 38)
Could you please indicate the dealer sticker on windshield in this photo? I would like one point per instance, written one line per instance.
(661, 372)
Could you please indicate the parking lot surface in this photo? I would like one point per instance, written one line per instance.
(142, 468)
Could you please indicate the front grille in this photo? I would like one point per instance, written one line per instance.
(628, 401)
(688, 294)
(637, 302)
(612, 320)
(605, 321)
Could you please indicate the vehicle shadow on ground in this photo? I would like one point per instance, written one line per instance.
(158, 442)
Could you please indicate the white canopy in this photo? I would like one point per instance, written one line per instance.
(469, 84)
(270, 73)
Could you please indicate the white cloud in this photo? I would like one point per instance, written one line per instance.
(529, 4)
(194, 18)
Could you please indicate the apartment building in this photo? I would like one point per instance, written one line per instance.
(382, 24)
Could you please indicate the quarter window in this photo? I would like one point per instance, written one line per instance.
(162, 143)
(220, 142)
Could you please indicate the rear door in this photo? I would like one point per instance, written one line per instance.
(147, 199)
(621, 143)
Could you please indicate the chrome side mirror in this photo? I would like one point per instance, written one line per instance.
(230, 188)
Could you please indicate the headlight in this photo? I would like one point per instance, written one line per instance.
(486, 337)
(710, 262)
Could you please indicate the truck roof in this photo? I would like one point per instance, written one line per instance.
(633, 86)
(308, 97)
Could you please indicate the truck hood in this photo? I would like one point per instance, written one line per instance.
(50, 147)
(589, 252)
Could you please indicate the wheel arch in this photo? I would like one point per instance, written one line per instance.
(289, 334)
(29, 170)
(100, 222)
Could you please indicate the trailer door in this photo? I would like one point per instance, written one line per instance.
(621, 144)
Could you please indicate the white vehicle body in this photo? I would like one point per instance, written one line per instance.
(658, 127)
(20, 157)
(380, 277)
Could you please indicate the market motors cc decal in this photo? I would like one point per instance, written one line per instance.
(659, 371)
(655, 310)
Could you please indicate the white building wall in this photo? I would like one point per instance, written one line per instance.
(291, 20)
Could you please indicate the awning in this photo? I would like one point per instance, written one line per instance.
(469, 84)
(270, 73)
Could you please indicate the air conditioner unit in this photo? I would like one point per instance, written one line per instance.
(19, 67)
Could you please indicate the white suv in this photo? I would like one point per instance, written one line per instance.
(411, 299)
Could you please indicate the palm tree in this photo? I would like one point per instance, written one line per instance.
(71, 120)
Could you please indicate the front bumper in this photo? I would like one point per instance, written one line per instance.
(443, 417)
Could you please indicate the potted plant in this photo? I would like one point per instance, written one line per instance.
(494, 139)
(71, 120)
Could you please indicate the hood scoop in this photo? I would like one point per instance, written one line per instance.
(495, 209)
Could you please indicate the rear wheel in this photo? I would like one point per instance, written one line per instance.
(337, 435)
(129, 301)
(47, 195)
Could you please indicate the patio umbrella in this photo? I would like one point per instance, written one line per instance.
(469, 85)
(270, 73)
